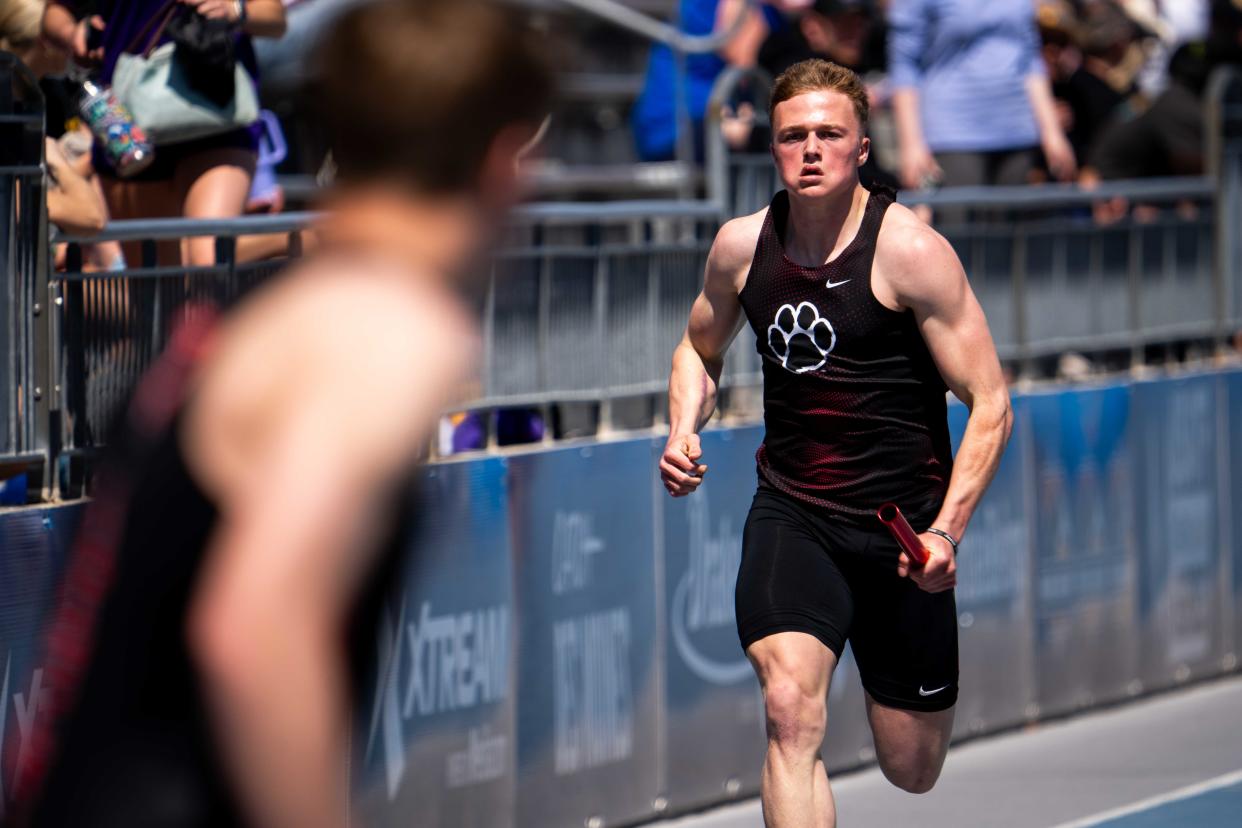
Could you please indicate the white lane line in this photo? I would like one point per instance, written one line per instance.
(1187, 792)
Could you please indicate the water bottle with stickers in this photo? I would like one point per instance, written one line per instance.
(122, 140)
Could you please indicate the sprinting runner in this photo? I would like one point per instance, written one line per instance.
(214, 622)
(863, 316)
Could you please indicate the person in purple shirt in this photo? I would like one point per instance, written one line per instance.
(971, 96)
(205, 178)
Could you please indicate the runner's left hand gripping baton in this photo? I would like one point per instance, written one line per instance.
(903, 533)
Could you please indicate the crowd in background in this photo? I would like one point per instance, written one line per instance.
(977, 92)
(68, 42)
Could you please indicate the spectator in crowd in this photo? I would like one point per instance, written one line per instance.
(205, 178)
(74, 204)
(655, 112)
(20, 34)
(835, 30)
(1172, 23)
(1166, 139)
(1092, 62)
(971, 97)
(841, 31)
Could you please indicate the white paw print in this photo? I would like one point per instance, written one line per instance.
(800, 338)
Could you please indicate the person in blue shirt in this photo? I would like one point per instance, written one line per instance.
(971, 97)
(654, 117)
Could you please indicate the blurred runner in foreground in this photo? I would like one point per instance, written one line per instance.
(863, 316)
(204, 657)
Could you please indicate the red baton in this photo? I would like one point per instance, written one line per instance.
(903, 533)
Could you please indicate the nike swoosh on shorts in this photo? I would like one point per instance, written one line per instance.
(923, 692)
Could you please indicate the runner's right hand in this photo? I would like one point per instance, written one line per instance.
(679, 467)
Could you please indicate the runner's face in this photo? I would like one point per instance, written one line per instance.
(817, 143)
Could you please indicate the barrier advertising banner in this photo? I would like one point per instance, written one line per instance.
(715, 723)
(994, 591)
(1178, 452)
(1085, 565)
(589, 695)
(34, 547)
(434, 743)
(1233, 478)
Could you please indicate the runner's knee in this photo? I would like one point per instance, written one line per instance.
(917, 781)
(796, 715)
(913, 774)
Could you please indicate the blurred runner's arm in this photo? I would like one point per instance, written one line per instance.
(699, 358)
(923, 273)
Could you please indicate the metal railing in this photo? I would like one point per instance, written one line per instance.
(679, 42)
(741, 184)
(635, 21)
(109, 325)
(585, 302)
(23, 296)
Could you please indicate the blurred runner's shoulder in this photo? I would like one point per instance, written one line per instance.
(376, 347)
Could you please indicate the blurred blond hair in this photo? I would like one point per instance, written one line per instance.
(20, 23)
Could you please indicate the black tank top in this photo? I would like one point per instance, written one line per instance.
(854, 406)
(126, 739)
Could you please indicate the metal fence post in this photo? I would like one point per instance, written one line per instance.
(226, 255)
(41, 340)
(23, 355)
(601, 338)
(716, 152)
(544, 340)
(72, 363)
(1134, 298)
(1223, 114)
(1019, 300)
(660, 406)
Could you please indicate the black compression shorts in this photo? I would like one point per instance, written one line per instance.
(805, 571)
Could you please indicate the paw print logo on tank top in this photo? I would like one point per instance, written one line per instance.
(800, 338)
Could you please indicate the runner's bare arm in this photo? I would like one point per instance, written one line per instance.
(698, 360)
(297, 536)
(924, 274)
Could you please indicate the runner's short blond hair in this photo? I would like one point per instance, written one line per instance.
(814, 75)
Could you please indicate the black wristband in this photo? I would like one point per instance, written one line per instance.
(946, 536)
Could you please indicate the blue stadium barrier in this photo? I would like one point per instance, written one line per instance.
(34, 545)
(712, 696)
(589, 704)
(994, 596)
(1183, 608)
(1085, 559)
(560, 649)
(436, 734)
(1233, 414)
